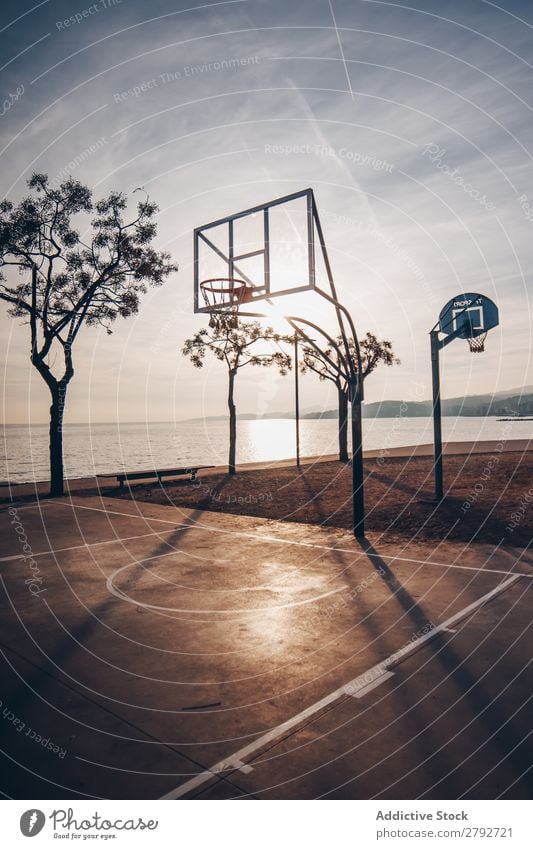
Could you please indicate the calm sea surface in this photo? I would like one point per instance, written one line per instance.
(101, 448)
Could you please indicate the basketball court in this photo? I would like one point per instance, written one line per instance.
(151, 652)
(157, 652)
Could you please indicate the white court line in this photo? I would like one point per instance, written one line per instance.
(364, 689)
(243, 767)
(85, 545)
(197, 526)
(351, 688)
(118, 593)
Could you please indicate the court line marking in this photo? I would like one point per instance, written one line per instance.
(238, 765)
(366, 688)
(122, 596)
(85, 546)
(378, 670)
(196, 526)
(246, 768)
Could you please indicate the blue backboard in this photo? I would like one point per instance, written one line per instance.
(470, 313)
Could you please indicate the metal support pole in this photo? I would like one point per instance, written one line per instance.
(355, 388)
(297, 400)
(358, 496)
(437, 424)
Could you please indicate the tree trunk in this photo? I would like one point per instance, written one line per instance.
(343, 426)
(56, 439)
(232, 423)
(58, 388)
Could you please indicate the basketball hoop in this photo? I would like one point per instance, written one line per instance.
(468, 316)
(475, 339)
(477, 343)
(225, 295)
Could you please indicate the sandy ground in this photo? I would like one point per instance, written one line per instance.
(489, 492)
(489, 496)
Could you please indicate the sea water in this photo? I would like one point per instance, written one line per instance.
(101, 448)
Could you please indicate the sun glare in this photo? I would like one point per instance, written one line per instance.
(307, 305)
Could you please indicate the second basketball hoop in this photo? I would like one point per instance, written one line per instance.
(469, 316)
(224, 295)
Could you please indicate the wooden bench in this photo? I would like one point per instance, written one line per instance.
(158, 474)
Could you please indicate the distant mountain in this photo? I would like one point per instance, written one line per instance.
(252, 416)
(509, 393)
(504, 403)
(498, 404)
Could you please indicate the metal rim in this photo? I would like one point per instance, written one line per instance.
(230, 286)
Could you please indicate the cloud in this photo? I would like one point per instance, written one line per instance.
(189, 103)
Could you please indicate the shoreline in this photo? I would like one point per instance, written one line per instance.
(488, 496)
(10, 491)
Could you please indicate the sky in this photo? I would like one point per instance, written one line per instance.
(411, 123)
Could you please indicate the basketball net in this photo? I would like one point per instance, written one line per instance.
(224, 295)
(477, 343)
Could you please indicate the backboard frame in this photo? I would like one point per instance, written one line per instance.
(451, 328)
(265, 290)
(467, 305)
(352, 371)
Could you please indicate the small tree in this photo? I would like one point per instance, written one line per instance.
(69, 281)
(373, 352)
(233, 346)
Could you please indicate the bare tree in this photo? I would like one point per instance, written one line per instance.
(234, 347)
(373, 352)
(69, 281)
